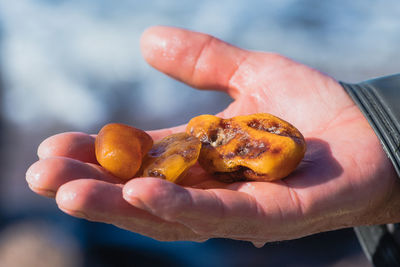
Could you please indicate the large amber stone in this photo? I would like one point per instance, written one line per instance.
(253, 147)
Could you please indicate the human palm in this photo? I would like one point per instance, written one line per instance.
(344, 180)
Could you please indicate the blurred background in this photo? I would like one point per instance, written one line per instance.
(76, 65)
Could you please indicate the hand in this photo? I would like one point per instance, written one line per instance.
(344, 180)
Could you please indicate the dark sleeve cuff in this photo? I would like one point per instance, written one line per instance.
(379, 100)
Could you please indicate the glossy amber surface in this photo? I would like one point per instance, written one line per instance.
(253, 147)
(171, 157)
(120, 148)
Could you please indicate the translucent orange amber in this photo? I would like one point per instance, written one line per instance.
(120, 148)
(253, 147)
(171, 157)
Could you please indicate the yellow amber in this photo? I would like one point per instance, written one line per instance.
(253, 147)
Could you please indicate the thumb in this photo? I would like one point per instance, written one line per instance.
(197, 59)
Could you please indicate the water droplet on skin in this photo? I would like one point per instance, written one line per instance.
(258, 244)
(250, 186)
(68, 196)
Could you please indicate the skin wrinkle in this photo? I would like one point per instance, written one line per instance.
(235, 91)
(233, 223)
(260, 215)
(280, 62)
(388, 197)
(260, 211)
(197, 59)
(161, 230)
(322, 214)
(266, 90)
(331, 123)
(177, 213)
(280, 211)
(218, 229)
(305, 227)
(379, 208)
(247, 229)
(353, 187)
(295, 67)
(221, 214)
(284, 65)
(45, 192)
(259, 99)
(356, 168)
(243, 70)
(336, 221)
(331, 220)
(393, 212)
(296, 200)
(322, 99)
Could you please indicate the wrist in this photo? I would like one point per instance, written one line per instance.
(386, 209)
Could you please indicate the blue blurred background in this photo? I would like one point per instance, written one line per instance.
(76, 65)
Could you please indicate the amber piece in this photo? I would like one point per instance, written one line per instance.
(258, 147)
(171, 157)
(120, 148)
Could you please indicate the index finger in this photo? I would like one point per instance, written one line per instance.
(75, 145)
(80, 146)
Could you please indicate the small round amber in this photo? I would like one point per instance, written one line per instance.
(120, 148)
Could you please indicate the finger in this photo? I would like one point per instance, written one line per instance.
(215, 212)
(75, 145)
(102, 202)
(197, 59)
(47, 175)
(80, 146)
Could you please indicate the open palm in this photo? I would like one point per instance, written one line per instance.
(344, 180)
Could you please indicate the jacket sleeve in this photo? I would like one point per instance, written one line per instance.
(379, 100)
